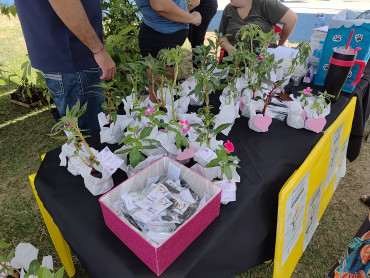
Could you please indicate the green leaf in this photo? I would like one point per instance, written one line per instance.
(233, 158)
(122, 151)
(213, 163)
(149, 147)
(221, 128)
(135, 157)
(11, 271)
(34, 267)
(44, 272)
(145, 132)
(178, 140)
(59, 273)
(2, 258)
(227, 172)
(153, 141)
(3, 244)
(185, 142)
(10, 255)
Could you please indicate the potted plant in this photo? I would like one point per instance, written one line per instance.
(82, 158)
(316, 108)
(224, 160)
(28, 94)
(12, 266)
(135, 142)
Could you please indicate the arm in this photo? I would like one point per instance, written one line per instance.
(225, 44)
(169, 10)
(289, 20)
(73, 15)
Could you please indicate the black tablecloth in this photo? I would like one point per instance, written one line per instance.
(362, 92)
(241, 237)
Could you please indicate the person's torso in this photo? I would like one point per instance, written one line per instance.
(256, 16)
(51, 46)
(158, 22)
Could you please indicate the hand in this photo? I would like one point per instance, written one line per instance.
(107, 65)
(196, 18)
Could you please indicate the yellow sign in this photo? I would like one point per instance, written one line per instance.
(305, 196)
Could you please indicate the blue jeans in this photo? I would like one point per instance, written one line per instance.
(67, 88)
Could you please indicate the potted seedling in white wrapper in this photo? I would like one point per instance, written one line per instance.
(82, 159)
(227, 164)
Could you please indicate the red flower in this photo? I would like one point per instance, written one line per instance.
(229, 146)
(261, 57)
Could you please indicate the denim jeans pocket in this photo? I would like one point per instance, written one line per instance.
(54, 82)
(92, 70)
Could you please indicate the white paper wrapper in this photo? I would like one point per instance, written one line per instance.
(312, 113)
(128, 103)
(251, 124)
(179, 109)
(228, 114)
(77, 167)
(228, 191)
(25, 253)
(113, 133)
(214, 172)
(151, 159)
(98, 186)
(295, 117)
(209, 173)
(188, 85)
(167, 141)
(47, 261)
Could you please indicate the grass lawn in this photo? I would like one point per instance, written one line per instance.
(23, 140)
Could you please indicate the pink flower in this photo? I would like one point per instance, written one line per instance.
(68, 124)
(149, 111)
(185, 126)
(261, 57)
(229, 146)
(307, 91)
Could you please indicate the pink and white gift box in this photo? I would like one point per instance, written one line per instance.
(159, 257)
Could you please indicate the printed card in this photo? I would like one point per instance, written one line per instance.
(158, 192)
(181, 206)
(207, 155)
(144, 215)
(160, 206)
(129, 202)
(109, 160)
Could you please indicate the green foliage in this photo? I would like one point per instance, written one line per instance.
(172, 58)
(136, 142)
(121, 21)
(8, 10)
(34, 268)
(304, 49)
(113, 96)
(224, 160)
(321, 101)
(69, 124)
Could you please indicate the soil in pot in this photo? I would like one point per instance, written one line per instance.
(96, 174)
(21, 97)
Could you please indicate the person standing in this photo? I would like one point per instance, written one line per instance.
(64, 39)
(165, 24)
(264, 13)
(207, 9)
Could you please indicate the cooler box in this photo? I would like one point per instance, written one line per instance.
(339, 31)
(159, 257)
